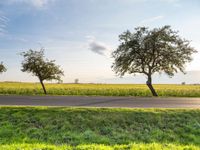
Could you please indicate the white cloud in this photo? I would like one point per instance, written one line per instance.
(152, 19)
(3, 23)
(35, 3)
(97, 46)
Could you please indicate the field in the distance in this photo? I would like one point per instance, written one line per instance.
(168, 90)
(50, 128)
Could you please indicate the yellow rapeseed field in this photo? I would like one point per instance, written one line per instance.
(17, 88)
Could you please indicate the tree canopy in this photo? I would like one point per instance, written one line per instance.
(2, 68)
(35, 63)
(149, 51)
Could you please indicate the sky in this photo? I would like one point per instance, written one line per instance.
(81, 34)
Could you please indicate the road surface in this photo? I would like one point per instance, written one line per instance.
(85, 101)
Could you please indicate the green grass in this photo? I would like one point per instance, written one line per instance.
(153, 146)
(99, 89)
(95, 128)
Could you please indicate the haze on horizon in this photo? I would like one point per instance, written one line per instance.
(80, 35)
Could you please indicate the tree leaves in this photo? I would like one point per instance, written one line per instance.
(44, 69)
(2, 68)
(149, 51)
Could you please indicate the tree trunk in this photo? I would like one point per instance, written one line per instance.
(149, 84)
(44, 89)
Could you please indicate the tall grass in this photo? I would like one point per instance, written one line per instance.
(142, 146)
(96, 129)
(100, 89)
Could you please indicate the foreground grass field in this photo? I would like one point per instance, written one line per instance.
(153, 146)
(99, 89)
(44, 128)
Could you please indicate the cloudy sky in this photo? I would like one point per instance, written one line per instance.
(81, 34)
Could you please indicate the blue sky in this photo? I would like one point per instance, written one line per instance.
(81, 34)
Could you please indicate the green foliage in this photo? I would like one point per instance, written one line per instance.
(153, 146)
(2, 68)
(35, 63)
(149, 51)
(169, 90)
(110, 127)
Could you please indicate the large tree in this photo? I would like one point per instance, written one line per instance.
(2, 68)
(149, 51)
(35, 63)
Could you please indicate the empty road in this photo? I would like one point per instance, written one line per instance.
(84, 101)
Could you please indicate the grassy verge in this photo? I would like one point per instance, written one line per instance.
(153, 146)
(80, 128)
(99, 89)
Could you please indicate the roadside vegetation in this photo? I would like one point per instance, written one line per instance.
(166, 90)
(149, 51)
(35, 63)
(2, 68)
(144, 51)
(153, 146)
(98, 128)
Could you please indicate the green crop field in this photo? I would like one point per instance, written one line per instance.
(51, 128)
(100, 89)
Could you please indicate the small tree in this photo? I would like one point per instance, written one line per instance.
(183, 83)
(149, 51)
(35, 63)
(76, 81)
(2, 68)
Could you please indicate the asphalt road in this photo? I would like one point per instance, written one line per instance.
(84, 101)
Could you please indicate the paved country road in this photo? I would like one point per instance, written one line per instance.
(85, 101)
